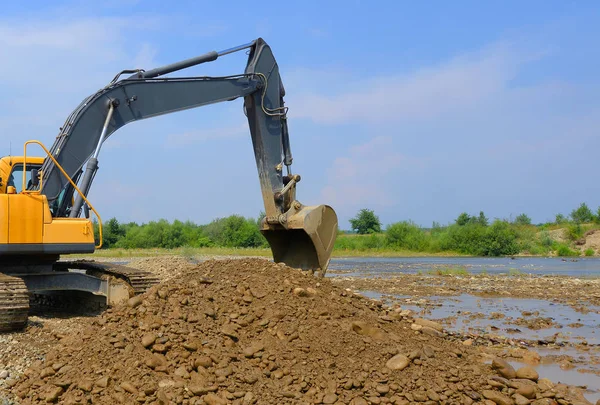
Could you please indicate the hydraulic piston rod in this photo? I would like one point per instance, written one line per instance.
(92, 165)
(173, 67)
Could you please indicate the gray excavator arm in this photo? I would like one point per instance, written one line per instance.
(299, 236)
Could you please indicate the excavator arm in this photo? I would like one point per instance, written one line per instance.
(299, 236)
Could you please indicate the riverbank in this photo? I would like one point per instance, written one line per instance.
(233, 329)
(203, 252)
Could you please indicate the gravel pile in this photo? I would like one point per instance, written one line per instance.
(252, 332)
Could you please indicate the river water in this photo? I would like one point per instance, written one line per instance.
(576, 267)
(440, 308)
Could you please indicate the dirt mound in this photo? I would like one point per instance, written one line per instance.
(591, 240)
(558, 235)
(165, 267)
(250, 331)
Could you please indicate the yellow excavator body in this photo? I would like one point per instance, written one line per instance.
(26, 223)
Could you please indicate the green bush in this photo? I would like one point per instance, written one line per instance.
(589, 252)
(564, 250)
(407, 235)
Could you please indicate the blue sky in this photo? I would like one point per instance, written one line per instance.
(417, 110)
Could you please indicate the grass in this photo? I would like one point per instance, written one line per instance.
(515, 272)
(589, 252)
(450, 271)
(190, 252)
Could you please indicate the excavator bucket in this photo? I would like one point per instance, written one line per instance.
(307, 240)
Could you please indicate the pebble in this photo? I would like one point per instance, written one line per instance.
(429, 324)
(497, 397)
(300, 292)
(3, 374)
(213, 399)
(148, 339)
(527, 373)
(521, 400)
(54, 394)
(128, 387)
(382, 389)
(135, 301)
(528, 391)
(398, 362)
(416, 327)
(330, 398)
(504, 368)
(359, 401)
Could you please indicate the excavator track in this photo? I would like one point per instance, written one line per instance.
(139, 280)
(14, 303)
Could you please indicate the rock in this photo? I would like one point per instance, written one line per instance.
(85, 385)
(128, 387)
(497, 397)
(431, 332)
(359, 401)
(416, 327)
(54, 394)
(528, 391)
(434, 396)
(102, 382)
(382, 389)
(190, 346)
(330, 398)
(182, 372)
(203, 361)
(468, 342)
(311, 291)
(362, 328)
(527, 373)
(148, 339)
(429, 324)
(3, 375)
(64, 383)
(229, 331)
(521, 400)
(135, 301)
(545, 384)
(300, 292)
(398, 362)
(47, 372)
(420, 396)
(544, 401)
(213, 399)
(504, 368)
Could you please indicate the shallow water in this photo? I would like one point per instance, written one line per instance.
(461, 308)
(364, 266)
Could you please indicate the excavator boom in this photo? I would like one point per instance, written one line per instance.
(300, 236)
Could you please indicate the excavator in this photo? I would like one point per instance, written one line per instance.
(45, 212)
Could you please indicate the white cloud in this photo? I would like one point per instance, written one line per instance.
(355, 180)
(455, 85)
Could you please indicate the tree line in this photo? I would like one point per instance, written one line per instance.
(467, 234)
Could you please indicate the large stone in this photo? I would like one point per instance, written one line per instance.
(527, 373)
(54, 394)
(498, 397)
(398, 362)
(213, 399)
(528, 391)
(129, 387)
(148, 339)
(135, 301)
(429, 324)
(362, 328)
(504, 368)
(521, 400)
(329, 398)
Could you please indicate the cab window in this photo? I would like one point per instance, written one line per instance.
(16, 176)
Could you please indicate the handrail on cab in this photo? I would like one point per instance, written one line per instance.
(24, 189)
